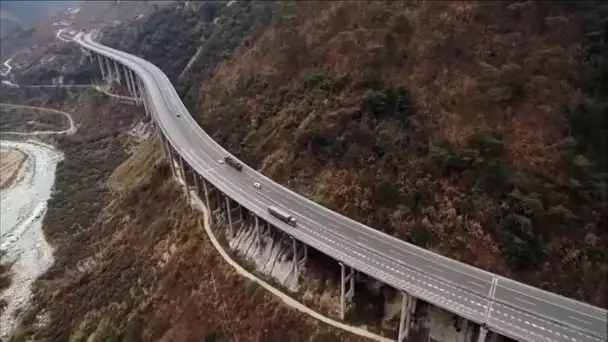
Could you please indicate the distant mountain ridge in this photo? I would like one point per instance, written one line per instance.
(21, 14)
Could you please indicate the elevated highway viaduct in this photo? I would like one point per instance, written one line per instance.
(499, 305)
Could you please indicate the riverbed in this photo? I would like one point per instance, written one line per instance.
(22, 208)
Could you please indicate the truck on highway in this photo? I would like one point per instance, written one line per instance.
(281, 215)
(235, 164)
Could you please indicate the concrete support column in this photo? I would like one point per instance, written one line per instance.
(404, 321)
(413, 302)
(219, 202)
(109, 68)
(170, 156)
(117, 71)
(134, 85)
(196, 186)
(257, 230)
(343, 293)
(101, 67)
(162, 142)
(483, 331)
(183, 174)
(302, 261)
(146, 110)
(207, 202)
(125, 72)
(229, 214)
(294, 243)
(140, 89)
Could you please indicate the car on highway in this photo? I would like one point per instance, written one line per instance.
(282, 215)
(234, 163)
(257, 185)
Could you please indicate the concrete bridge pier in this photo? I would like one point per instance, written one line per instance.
(344, 295)
(408, 308)
(109, 67)
(169, 154)
(117, 72)
(197, 187)
(183, 175)
(258, 232)
(102, 67)
(103, 70)
(189, 171)
(295, 263)
(406, 317)
(236, 207)
(483, 332)
(140, 89)
(146, 109)
(242, 216)
(88, 53)
(125, 72)
(207, 201)
(265, 229)
(163, 142)
(137, 88)
(219, 202)
(302, 261)
(134, 86)
(229, 214)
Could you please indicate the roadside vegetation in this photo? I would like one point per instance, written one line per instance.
(29, 120)
(144, 270)
(132, 262)
(474, 129)
(5, 277)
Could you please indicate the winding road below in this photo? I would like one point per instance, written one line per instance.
(68, 131)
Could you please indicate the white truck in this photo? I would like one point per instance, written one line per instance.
(281, 215)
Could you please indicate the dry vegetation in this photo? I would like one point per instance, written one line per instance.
(10, 164)
(5, 277)
(143, 270)
(132, 263)
(29, 120)
(474, 129)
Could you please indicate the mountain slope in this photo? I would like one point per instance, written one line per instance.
(473, 129)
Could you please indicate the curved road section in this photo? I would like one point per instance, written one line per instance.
(505, 306)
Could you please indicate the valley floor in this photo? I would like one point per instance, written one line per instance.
(22, 208)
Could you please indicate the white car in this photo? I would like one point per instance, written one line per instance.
(221, 161)
(257, 185)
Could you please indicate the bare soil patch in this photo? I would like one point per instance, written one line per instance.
(10, 164)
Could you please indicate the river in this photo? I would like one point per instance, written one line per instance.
(22, 208)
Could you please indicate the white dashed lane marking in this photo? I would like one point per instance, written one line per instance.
(580, 320)
(476, 284)
(524, 301)
(434, 268)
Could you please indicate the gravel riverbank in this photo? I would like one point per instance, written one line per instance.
(23, 206)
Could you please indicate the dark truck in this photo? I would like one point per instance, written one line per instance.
(281, 215)
(235, 164)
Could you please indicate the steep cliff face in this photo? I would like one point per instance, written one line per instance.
(474, 129)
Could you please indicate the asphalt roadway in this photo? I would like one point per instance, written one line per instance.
(510, 308)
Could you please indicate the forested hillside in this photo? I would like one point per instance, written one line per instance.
(475, 129)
